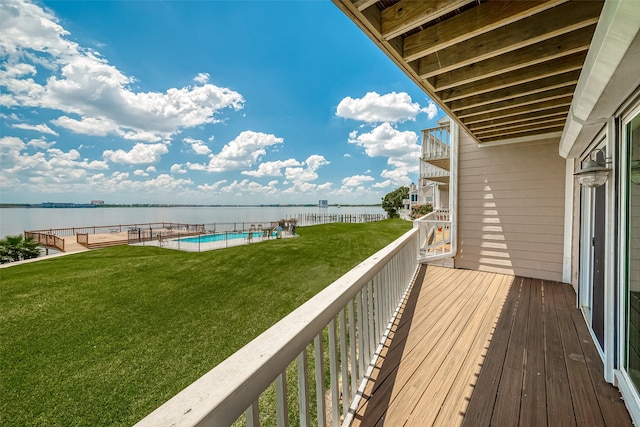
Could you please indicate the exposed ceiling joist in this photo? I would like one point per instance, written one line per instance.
(468, 24)
(406, 15)
(547, 25)
(533, 73)
(501, 69)
(557, 47)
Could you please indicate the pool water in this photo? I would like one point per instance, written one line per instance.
(220, 237)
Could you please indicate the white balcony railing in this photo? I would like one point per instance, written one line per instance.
(355, 312)
(435, 143)
(436, 234)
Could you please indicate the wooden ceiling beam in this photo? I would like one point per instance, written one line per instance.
(524, 126)
(498, 114)
(516, 91)
(557, 47)
(549, 95)
(363, 4)
(409, 14)
(521, 134)
(529, 74)
(546, 25)
(535, 115)
(471, 23)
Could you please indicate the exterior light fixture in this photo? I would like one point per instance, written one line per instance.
(594, 173)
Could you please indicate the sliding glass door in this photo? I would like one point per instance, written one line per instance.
(632, 291)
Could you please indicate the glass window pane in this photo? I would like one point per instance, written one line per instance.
(633, 256)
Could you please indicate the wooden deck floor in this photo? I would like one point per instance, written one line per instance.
(477, 349)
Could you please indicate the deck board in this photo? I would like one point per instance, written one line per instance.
(559, 405)
(476, 348)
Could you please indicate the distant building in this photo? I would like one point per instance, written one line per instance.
(323, 203)
(97, 202)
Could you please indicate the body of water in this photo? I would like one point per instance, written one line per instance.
(15, 221)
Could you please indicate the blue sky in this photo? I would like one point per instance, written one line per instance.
(204, 102)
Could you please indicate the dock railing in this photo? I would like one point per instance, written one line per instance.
(355, 312)
(46, 239)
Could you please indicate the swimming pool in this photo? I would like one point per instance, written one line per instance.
(220, 237)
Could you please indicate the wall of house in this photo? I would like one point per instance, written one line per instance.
(511, 208)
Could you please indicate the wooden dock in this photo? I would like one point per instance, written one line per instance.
(478, 349)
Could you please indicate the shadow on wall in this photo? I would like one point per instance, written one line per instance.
(511, 209)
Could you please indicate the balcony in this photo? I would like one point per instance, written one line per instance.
(435, 155)
(389, 343)
(478, 349)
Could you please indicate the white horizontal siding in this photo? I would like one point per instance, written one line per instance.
(511, 208)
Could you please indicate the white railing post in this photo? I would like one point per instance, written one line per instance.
(303, 389)
(333, 373)
(352, 350)
(253, 415)
(344, 372)
(362, 335)
(318, 355)
(282, 411)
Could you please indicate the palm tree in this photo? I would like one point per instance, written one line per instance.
(16, 248)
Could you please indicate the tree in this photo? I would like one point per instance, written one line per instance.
(16, 248)
(393, 201)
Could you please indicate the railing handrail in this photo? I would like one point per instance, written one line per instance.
(221, 395)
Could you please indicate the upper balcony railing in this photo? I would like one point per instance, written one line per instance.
(355, 313)
(436, 143)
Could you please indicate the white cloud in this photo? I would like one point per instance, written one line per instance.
(212, 187)
(151, 169)
(40, 143)
(392, 107)
(249, 187)
(271, 168)
(165, 182)
(140, 153)
(243, 152)
(299, 178)
(198, 146)
(299, 175)
(383, 184)
(201, 78)
(88, 126)
(431, 110)
(140, 172)
(119, 182)
(53, 169)
(385, 141)
(42, 128)
(397, 176)
(399, 147)
(356, 180)
(315, 161)
(78, 80)
(176, 168)
(11, 144)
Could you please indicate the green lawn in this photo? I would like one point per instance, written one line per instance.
(104, 337)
